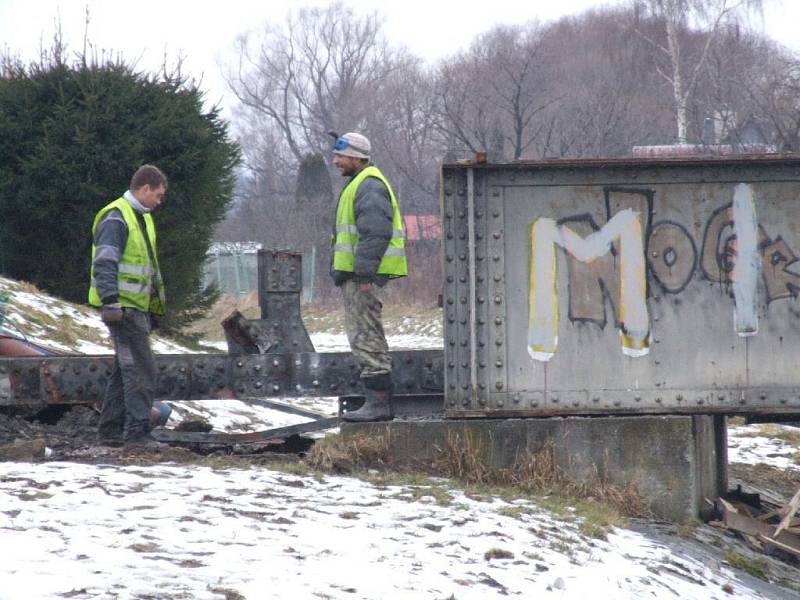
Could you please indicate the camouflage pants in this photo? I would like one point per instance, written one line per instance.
(364, 327)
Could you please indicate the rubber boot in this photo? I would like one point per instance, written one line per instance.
(377, 401)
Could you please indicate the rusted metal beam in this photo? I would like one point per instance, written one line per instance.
(78, 380)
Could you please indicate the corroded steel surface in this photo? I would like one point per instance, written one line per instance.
(75, 380)
(623, 286)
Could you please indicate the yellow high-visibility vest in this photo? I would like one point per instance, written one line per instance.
(137, 274)
(393, 263)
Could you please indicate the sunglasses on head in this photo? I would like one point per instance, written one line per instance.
(342, 144)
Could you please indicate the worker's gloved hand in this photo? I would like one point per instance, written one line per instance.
(111, 313)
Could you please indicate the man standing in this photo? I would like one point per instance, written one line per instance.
(368, 250)
(126, 284)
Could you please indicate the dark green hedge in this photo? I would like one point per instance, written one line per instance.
(71, 136)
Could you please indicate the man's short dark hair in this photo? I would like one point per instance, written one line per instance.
(148, 175)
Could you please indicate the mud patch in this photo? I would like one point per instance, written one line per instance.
(778, 485)
(56, 428)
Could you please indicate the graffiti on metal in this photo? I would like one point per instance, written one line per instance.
(543, 303)
(610, 262)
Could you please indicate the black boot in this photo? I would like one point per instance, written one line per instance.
(377, 400)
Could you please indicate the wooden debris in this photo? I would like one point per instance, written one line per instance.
(791, 509)
(757, 532)
(781, 546)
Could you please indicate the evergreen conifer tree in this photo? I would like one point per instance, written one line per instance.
(71, 136)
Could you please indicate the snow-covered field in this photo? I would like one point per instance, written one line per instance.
(169, 531)
(166, 531)
(758, 445)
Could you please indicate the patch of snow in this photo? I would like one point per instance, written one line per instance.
(86, 532)
(747, 444)
(238, 416)
(21, 303)
(337, 342)
(215, 345)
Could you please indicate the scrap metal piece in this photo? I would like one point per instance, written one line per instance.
(286, 408)
(244, 336)
(15, 346)
(213, 437)
(405, 406)
(280, 329)
(280, 281)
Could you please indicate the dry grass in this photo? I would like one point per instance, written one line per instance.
(790, 435)
(756, 567)
(317, 318)
(210, 326)
(465, 457)
(26, 286)
(343, 454)
(497, 553)
(596, 506)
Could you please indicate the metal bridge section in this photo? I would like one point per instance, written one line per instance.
(82, 379)
(622, 287)
(271, 357)
(571, 288)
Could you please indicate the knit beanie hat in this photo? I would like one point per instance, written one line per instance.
(352, 144)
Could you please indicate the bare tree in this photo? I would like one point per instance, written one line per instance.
(678, 15)
(774, 94)
(608, 94)
(407, 139)
(316, 73)
(492, 93)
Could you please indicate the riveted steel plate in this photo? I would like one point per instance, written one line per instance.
(622, 286)
(72, 381)
(279, 271)
(75, 380)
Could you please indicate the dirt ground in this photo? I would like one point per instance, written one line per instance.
(316, 318)
(57, 427)
(69, 433)
(776, 485)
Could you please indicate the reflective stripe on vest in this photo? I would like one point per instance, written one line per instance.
(393, 263)
(136, 274)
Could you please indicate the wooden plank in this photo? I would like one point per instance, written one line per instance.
(777, 544)
(749, 526)
(768, 515)
(794, 503)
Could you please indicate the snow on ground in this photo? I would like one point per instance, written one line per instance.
(59, 325)
(337, 342)
(166, 531)
(170, 531)
(234, 416)
(752, 444)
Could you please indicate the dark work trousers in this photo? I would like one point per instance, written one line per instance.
(130, 389)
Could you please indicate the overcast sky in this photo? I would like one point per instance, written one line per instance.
(149, 30)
